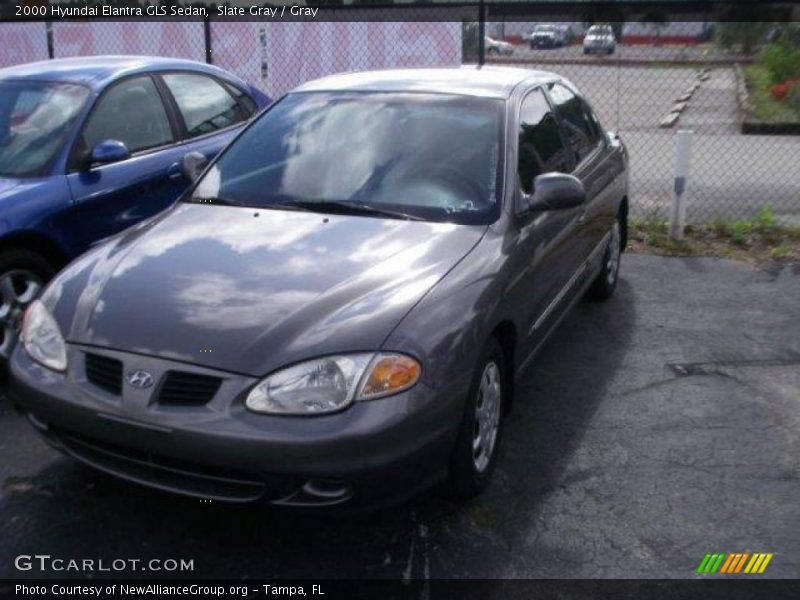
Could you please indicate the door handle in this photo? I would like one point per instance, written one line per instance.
(174, 171)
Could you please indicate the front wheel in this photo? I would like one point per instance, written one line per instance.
(473, 458)
(606, 282)
(22, 275)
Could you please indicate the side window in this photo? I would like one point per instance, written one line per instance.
(541, 149)
(206, 105)
(131, 112)
(579, 124)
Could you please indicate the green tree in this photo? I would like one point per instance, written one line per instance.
(743, 27)
(741, 36)
(657, 20)
(605, 14)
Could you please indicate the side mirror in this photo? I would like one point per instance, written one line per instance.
(109, 151)
(556, 191)
(192, 165)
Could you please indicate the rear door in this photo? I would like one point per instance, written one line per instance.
(593, 165)
(109, 198)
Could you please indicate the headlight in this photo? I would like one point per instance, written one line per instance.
(42, 339)
(331, 383)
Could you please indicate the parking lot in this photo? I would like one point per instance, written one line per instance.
(653, 429)
(657, 54)
(731, 176)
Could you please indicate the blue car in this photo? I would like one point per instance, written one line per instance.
(91, 146)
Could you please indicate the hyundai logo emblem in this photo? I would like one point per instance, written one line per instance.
(140, 379)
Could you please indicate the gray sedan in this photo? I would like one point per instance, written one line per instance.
(337, 311)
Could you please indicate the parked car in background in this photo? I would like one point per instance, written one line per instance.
(90, 146)
(312, 326)
(547, 35)
(599, 39)
(498, 47)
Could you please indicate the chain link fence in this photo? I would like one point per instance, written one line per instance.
(735, 85)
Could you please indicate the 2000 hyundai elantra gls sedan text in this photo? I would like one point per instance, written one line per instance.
(336, 311)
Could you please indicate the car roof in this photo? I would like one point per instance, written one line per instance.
(97, 71)
(488, 82)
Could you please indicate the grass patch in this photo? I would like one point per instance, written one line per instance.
(756, 240)
(765, 107)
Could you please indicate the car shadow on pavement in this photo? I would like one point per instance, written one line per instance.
(68, 510)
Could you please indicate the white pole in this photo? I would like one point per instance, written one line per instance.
(683, 154)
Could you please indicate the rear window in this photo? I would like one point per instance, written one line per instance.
(35, 119)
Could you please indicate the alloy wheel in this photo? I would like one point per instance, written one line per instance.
(612, 266)
(487, 417)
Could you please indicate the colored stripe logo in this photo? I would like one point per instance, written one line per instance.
(736, 562)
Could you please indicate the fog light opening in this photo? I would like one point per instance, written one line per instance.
(326, 488)
(40, 424)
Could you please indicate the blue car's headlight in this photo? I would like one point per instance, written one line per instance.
(331, 383)
(42, 338)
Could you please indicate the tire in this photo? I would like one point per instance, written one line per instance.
(471, 469)
(605, 283)
(22, 276)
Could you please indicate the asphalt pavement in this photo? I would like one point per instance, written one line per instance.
(653, 429)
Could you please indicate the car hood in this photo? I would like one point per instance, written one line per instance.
(249, 291)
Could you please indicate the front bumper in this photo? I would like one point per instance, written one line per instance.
(376, 452)
(598, 47)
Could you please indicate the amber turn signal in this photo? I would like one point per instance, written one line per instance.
(390, 374)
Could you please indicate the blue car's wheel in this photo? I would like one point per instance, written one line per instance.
(22, 275)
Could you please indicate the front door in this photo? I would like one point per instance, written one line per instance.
(546, 239)
(109, 198)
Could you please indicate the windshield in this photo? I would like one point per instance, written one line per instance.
(600, 31)
(35, 117)
(404, 155)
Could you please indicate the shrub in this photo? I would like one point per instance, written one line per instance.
(779, 91)
(781, 58)
(794, 96)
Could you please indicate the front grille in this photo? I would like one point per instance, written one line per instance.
(104, 372)
(188, 389)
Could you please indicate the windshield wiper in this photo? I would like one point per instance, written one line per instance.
(290, 205)
(355, 208)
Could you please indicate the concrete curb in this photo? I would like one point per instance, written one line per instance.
(682, 102)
